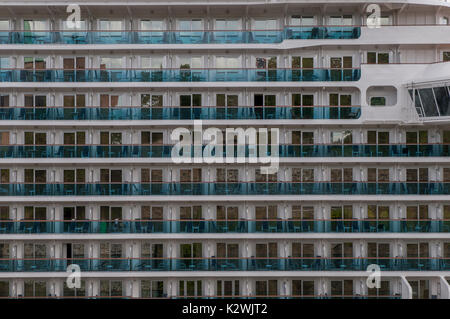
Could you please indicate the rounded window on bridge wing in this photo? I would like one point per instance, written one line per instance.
(381, 96)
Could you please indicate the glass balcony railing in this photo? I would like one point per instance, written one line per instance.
(356, 296)
(181, 113)
(165, 151)
(226, 264)
(313, 32)
(179, 37)
(164, 296)
(220, 188)
(179, 75)
(223, 226)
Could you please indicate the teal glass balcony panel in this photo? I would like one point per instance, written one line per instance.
(179, 36)
(381, 150)
(239, 297)
(367, 225)
(218, 188)
(226, 264)
(210, 226)
(27, 227)
(223, 226)
(165, 151)
(110, 37)
(190, 37)
(6, 37)
(179, 75)
(398, 296)
(314, 32)
(181, 113)
(230, 36)
(34, 37)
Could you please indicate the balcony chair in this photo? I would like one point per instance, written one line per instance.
(37, 227)
(146, 266)
(272, 227)
(201, 227)
(381, 227)
(305, 226)
(317, 263)
(296, 226)
(420, 265)
(84, 228)
(269, 266)
(28, 228)
(192, 266)
(418, 227)
(355, 226)
(251, 263)
(305, 266)
(116, 227)
(136, 151)
(355, 151)
(4, 227)
(195, 228)
(187, 226)
(347, 229)
(213, 263)
(33, 267)
(107, 266)
(242, 226)
(221, 226)
(264, 226)
(224, 266)
(4, 267)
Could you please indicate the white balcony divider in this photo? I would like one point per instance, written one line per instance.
(445, 288)
(406, 288)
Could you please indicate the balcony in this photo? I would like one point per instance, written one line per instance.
(182, 113)
(294, 297)
(219, 188)
(179, 37)
(165, 151)
(221, 297)
(179, 75)
(223, 226)
(226, 264)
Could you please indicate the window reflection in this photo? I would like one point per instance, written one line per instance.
(226, 25)
(431, 102)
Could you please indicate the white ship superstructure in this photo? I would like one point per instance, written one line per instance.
(88, 177)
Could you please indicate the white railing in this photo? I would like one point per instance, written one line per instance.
(445, 288)
(406, 288)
